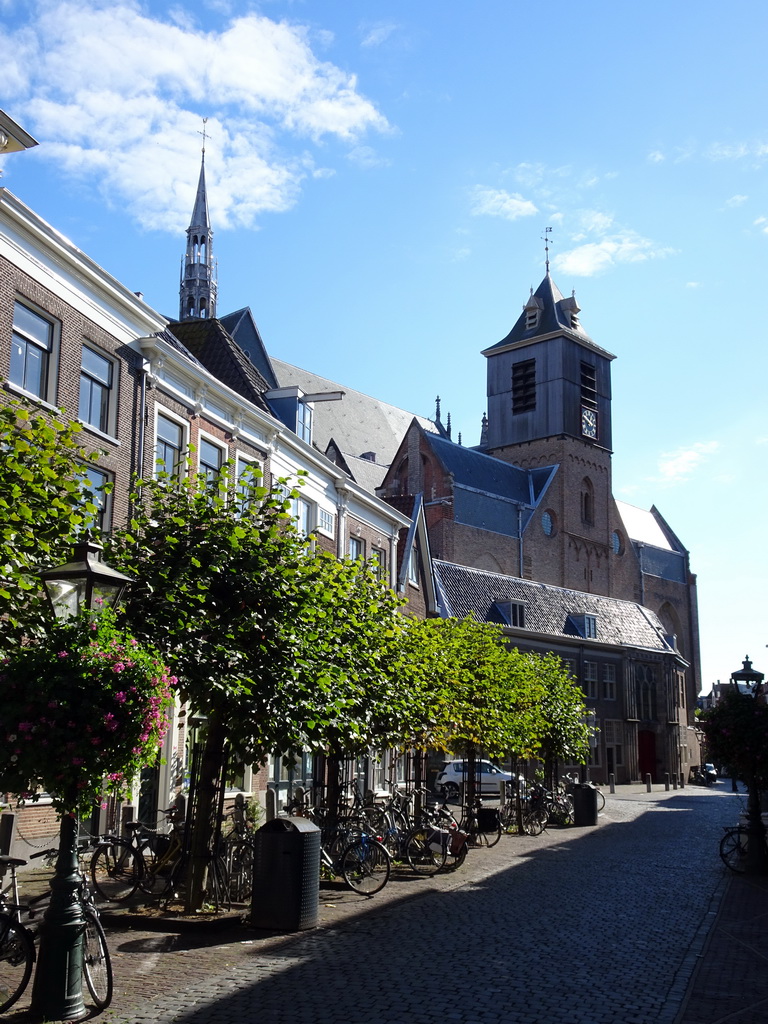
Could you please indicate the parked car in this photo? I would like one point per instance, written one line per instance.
(711, 773)
(454, 773)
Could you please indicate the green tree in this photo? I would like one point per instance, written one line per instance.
(44, 504)
(736, 731)
(562, 733)
(279, 647)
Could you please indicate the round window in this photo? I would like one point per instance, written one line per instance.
(548, 522)
(618, 543)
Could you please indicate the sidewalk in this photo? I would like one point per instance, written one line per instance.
(730, 982)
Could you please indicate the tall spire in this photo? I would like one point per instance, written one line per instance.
(198, 276)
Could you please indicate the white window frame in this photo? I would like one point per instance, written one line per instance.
(242, 462)
(110, 389)
(161, 412)
(221, 448)
(413, 566)
(103, 500)
(326, 522)
(47, 391)
(359, 544)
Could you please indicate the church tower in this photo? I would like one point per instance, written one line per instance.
(198, 276)
(549, 403)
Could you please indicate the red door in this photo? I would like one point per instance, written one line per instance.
(646, 753)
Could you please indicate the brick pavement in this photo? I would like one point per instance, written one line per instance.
(600, 925)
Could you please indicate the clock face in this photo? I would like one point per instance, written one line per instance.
(589, 422)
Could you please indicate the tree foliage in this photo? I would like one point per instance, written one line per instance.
(736, 731)
(44, 503)
(474, 690)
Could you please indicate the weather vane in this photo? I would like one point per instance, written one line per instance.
(205, 136)
(546, 240)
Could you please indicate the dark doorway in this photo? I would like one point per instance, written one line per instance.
(646, 753)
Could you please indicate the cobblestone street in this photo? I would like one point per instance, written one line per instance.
(599, 925)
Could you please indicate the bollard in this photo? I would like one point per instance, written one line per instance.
(666, 781)
(648, 782)
(612, 782)
(674, 781)
(7, 820)
(502, 792)
(682, 780)
(271, 808)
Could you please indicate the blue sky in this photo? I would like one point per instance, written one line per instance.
(380, 176)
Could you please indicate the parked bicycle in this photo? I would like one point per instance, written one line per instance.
(19, 929)
(357, 857)
(153, 861)
(734, 848)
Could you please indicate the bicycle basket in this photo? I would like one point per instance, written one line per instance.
(488, 819)
(438, 840)
(458, 841)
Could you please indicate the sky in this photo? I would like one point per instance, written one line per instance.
(380, 176)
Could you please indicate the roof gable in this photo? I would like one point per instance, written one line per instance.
(218, 352)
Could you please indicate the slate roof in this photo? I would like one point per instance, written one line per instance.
(554, 318)
(357, 424)
(213, 346)
(549, 610)
(644, 527)
(471, 468)
(242, 327)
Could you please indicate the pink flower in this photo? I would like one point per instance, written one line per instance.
(121, 697)
(118, 666)
(62, 654)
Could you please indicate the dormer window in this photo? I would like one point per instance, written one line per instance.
(584, 625)
(513, 612)
(531, 319)
(304, 422)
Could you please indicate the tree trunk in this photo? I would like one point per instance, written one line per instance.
(203, 827)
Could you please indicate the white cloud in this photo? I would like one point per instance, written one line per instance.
(693, 284)
(737, 200)
(595, 257)
(656, 157)
(366, 157)
(377, 34)
(499, 203)
(117, 97)
(682, 463)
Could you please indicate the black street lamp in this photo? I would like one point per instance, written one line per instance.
(756, 862)
(85, 583)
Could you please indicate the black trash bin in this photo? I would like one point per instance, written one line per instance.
(286, 875)
(584, 805)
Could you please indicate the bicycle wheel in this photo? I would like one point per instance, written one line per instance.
(17, 955)
(365, 866)
(426, 850)
(97, 963)
(217, 884)
(455, 860)
(240, 858)
(160, 862)
(733, 849)
(116, 870)
(533, 823)
(600, 800)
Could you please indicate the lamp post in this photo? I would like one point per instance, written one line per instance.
(85, 583)
(756, 858)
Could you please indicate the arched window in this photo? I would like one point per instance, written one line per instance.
(587, 502)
